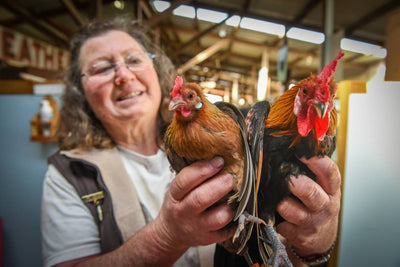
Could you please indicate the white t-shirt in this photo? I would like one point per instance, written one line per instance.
(151, 176)
(68, 228)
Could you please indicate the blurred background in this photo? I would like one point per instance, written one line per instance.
(239, 51)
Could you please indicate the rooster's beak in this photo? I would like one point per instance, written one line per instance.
(175, 103)
(321, 109)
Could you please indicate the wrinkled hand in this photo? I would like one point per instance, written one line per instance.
(186, 217)
(311, 226)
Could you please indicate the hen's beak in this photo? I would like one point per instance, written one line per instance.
(175, 103)
(321, 109)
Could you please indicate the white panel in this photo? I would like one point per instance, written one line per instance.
(371, 206)
(48, 89)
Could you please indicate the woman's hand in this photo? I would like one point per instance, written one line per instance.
(188, 217)
(311, 225)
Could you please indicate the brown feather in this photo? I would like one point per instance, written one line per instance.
(281, 116)
(210, 131)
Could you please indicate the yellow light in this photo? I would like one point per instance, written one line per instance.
(119, 4)
(262, 83)
(201, 56)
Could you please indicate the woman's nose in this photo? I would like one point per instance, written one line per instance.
(123, 74)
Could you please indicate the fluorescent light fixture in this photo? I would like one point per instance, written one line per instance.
(208, 84)
(306, 35)
(160, 6)
(363, 48)
(263, 26)
(233, 21)
(210, 15)
(185, 11)
(213, 98)
(262, 83)
(381, 52)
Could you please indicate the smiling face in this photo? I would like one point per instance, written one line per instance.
(127, 95)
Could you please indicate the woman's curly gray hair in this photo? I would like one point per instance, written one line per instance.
(79, 127)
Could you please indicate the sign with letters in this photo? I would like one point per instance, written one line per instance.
(26, 51)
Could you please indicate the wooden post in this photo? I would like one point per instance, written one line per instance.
(392, 45)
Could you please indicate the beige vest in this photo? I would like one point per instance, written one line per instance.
(127, 210)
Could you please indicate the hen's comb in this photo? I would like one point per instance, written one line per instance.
(177, 86)
(329, 69)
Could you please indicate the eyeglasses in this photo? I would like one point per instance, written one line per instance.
(104, 71)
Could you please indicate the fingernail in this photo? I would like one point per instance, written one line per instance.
(217, 162)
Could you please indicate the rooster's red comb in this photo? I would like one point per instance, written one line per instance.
(329, 69)
(177, 86)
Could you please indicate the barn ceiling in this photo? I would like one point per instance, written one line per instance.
(232, 53)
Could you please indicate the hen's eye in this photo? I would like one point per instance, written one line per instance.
(305, 91)
(190, 96)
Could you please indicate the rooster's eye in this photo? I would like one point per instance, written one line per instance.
(190, 96)
(305, 91)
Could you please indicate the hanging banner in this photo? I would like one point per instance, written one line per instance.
(26, 51)
(282, 63)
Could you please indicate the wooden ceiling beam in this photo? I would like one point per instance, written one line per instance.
(374, 14)
(203, 55)
(244, 70)
(244, 13)
(25, 15)
(232, 37)
(285, 22)
(99, 12)
(305, 11)
(166, 13)
(147, 10)
(50, 13)
(60, 27)
(245, 42)
(200, 35)
(73, 11)
(246, 5)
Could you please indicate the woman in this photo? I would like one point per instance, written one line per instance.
(112, 123)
